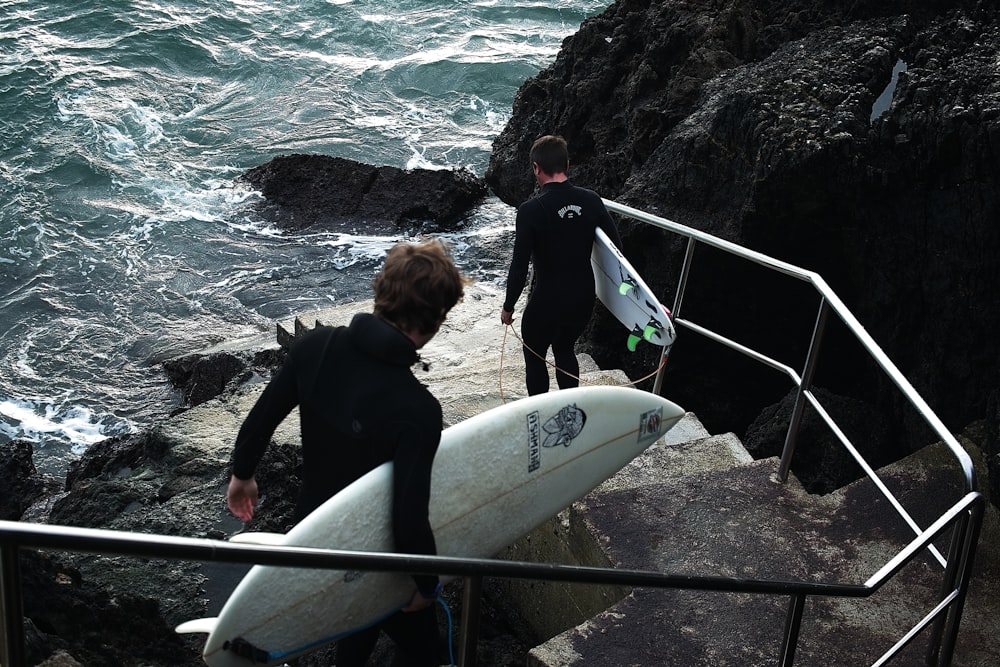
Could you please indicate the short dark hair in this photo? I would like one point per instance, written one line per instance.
(417, 286)
(551, 154)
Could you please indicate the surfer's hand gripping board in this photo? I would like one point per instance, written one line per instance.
(496, 476)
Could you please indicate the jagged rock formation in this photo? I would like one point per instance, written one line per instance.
(754, 121)
(302, 191)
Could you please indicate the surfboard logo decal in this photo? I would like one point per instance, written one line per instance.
(560, 429)
(650, 424)
(534, 447)
(563, 427)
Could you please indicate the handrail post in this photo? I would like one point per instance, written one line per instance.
(793, 622)
(955, 554)
(11, 610)
(969, 528)
(675, 311)
(791, 437)
(469, 635)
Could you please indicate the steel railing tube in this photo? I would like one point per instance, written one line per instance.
(469, 638)
(791, 437)
(793, 623)
(11, 609)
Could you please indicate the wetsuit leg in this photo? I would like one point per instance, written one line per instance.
(567, 331)
(416, 637)
(354, 650)
(536, 333)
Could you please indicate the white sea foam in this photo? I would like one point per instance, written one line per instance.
(37, 422)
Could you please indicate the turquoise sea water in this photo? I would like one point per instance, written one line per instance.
(123, 238)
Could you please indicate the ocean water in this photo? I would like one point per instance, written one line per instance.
(124, 239)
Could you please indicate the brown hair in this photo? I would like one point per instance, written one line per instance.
(417, 286)
(551, 154)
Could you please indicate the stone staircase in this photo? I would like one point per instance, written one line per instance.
(698, 504)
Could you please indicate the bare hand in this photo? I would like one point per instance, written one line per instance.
(418, 602)
(506, 316)
(241, 497)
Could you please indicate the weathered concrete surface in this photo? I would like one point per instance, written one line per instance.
(668, 512)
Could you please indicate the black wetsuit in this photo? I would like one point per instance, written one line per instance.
(359, 406)
(555, 231)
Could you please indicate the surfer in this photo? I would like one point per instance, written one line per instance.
(555, 232)
(360, 406)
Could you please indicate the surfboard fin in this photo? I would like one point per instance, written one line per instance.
(626, 286)
(633, 339)
(267, 539)
(205, 625)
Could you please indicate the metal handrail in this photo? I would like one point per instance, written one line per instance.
(961, 549)
(15, 535)
(966, 514)
(830, 300)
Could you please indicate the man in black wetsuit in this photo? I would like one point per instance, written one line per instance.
(360, 406)
(555, 231)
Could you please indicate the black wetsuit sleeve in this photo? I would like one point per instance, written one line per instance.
(517, 276)
(278, 399)
(605, 222)
(411, 494)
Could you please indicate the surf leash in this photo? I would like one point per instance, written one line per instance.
(503, 350)
(451, 628)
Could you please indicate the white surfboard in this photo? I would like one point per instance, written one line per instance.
(496, 476)
(622, 290)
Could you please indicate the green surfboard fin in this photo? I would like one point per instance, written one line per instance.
(633, 341)
(650, 331)
(625, 286)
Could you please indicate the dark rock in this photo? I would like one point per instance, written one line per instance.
(98, 503)
(753, 121)
(113, 458)
(201, 377)
(303, 191)
(65, 613)
(279, 477)
(821, 464)
(991, 443)
(21, 483)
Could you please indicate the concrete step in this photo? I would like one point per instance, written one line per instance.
(680, 508)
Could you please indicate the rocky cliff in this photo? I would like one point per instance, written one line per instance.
(856, 139)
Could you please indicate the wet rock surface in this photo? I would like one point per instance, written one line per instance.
(303, 191)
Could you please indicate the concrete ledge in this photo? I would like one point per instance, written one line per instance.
(707, 520)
